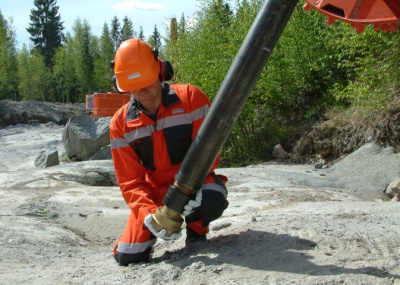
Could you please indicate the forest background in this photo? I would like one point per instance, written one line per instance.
(315, 69)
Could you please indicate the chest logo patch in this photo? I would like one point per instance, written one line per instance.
(177, 111)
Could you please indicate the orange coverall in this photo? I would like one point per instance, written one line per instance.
(147, 153)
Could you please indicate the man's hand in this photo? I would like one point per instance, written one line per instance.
(212, 205)
(148, 221)
(192, 204)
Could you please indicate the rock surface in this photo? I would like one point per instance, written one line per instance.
(286, 224)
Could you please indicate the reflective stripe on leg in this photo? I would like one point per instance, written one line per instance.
(132, 248)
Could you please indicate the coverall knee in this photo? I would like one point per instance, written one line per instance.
(136, 242)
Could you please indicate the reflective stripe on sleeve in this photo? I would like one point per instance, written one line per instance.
(200, 113)
(118, 143)
(215, 187)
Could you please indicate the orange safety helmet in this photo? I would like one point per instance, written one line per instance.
(135, 65)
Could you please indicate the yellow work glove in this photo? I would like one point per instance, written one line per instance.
(165, 224)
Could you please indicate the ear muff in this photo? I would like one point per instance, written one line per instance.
(166, 70)
(115, 84)
(114, 78)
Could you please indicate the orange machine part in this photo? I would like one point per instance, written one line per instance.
(105, 104)
(382, 14)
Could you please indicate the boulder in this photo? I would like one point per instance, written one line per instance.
(279, 153)
(84, 136)
(47, 158)
(103, 154)
(393, 190)
(366, 170)
(36, 112)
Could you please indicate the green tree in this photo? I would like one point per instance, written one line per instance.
(35, 83)
(372, 62)
(102, 73)
(205, 49)
(314, 67)
(156, 39)
(181, 28)
(64, 73)
(116, 32)
(8, 61)
(141, 34)
(223, 13)
(127, 31)
(81, 48)
(46, 28)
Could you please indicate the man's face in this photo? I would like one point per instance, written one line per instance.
(149, 94)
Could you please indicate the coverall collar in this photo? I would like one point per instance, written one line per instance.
(168, 98)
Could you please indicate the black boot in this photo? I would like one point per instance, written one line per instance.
(193, 237)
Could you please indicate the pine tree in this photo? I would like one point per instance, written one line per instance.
(223, 13)
(116, 32)
(127, 31)
(46, 29)
(156, 39)
(141, 34)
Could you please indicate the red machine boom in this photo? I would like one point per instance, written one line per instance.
(382, 14)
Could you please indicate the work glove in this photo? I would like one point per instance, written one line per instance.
(212, 205)
(151, 223)
(193, 204)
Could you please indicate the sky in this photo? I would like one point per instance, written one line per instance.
(145, 13)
